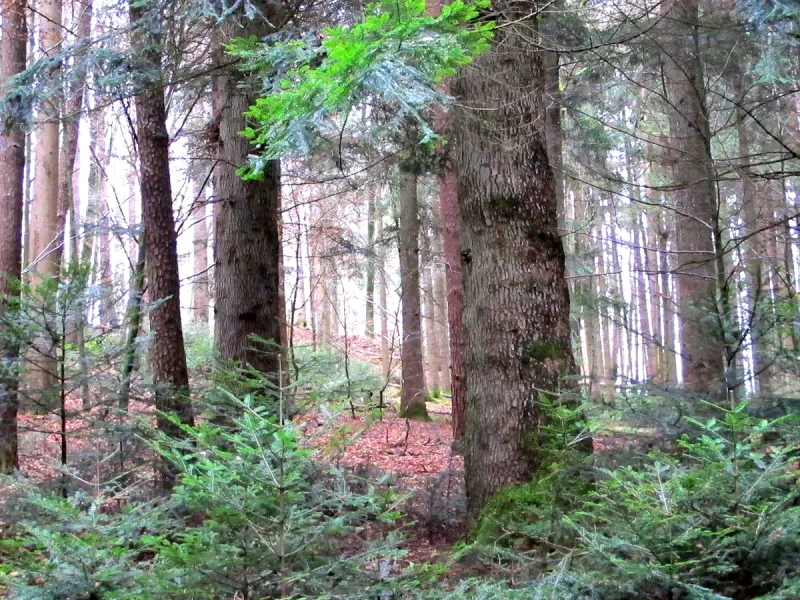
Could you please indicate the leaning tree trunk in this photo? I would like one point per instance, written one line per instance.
(12, 197)
(167, 352)
(412, 399)
(702, 346)
(247, 236)
(516, 313)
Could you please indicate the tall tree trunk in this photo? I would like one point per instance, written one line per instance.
(431, 334)
(517, 311)
(200, 283)
(247, 242)
(167, 352)
(702, 347)
(450, 218)
(442, 333)
(755, 215)
(369, 328)
(669, 360)
(98, 215)
(12, 198)
(73, 108)
(44, 234)
(412, 400)
(386, 359)
(640, 266)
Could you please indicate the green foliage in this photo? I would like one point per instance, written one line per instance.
(272, 519)
(81, 547)
(720, 517)
(396, 55)
(329, 377)
(253, 516)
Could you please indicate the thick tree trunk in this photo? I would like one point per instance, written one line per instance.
(247, 243)
(44, 235)
(167, 352)
(12, 193)
(702, 347)
(412, 400)
(517, 311)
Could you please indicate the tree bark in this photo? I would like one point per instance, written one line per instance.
(247, 242)
(44, 234)
(386, 359)
(369, 328)
(412, 399)
(451, 240)
(200, 283)
(12, 198)
(73, 108)
(516, 313)
(702, 347)
(167, 352)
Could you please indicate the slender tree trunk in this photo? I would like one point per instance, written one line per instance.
(98, 215)
(431, 333)
(412, 400)
(669, 361)
(200, 283)
(702, 347)
(755, 216)
(12, 199)
(73, 108)
(247, 238)
(442, 333)
(517, 311)
(451, 238)
(167, 353)
(386, 359)
(369, 328)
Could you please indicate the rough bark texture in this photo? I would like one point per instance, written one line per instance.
(412, 400)
(12, 178)
(247, 242)
(516, 314)
(167, 352)
(702, 348)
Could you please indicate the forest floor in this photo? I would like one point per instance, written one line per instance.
(413, 459)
